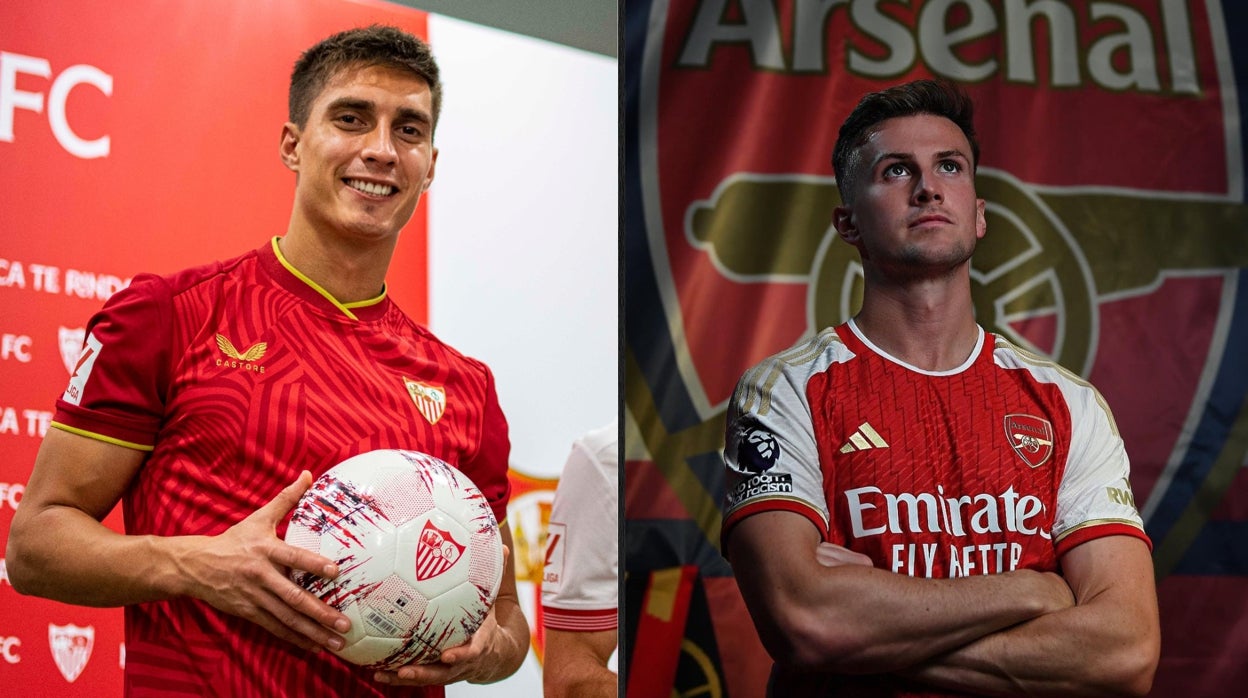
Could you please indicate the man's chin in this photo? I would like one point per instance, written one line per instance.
(373, 230)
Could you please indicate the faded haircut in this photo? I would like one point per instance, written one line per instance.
(935, 97)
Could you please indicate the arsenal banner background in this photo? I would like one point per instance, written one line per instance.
(1113, 167)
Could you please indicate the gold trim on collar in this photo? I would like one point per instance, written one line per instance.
(344, 307)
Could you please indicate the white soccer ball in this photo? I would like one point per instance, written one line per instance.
(418, 550)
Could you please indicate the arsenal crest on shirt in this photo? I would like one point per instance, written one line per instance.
(1031, 438)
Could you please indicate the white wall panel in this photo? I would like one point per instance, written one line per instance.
(524, 229)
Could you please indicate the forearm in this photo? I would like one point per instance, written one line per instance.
(1107, 645)
(581, 682)
(61, 553)
(846, 617)
(509, 641)
(1072, 652)
(818, 613)
(895, 621)
(576, 664)
(58, 549)
(511, 644)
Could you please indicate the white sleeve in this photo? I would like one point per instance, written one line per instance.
(1095, 492)
(581, 571)
(770, 455)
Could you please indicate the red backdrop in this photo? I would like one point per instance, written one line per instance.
(177, 108)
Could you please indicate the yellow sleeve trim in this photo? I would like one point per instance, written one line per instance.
(101, 437)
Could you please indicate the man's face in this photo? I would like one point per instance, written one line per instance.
(914, 212)
(365, 155)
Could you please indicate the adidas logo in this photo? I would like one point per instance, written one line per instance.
(864, 438)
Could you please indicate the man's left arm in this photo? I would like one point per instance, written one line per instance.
(576, 664)
(492, 654)
(1107, 644)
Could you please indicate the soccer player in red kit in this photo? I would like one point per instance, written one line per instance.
(206, 400)
(917, 507)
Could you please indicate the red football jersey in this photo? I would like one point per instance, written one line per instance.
(236, 376)
(1005, 462)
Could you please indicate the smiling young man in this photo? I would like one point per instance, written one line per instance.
(209, 447)
(916, 507)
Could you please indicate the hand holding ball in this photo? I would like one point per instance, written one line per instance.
(418, 550)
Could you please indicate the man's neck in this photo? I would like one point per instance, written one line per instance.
(348, 270)
(929, 325)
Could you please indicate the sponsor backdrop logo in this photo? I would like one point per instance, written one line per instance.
(71, 648)
(1112, 167)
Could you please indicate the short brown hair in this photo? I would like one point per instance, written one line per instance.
(369, 46)
(935, 97)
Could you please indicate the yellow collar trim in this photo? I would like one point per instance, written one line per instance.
(344, 307)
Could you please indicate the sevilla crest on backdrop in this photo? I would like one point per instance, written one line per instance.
(418, 550)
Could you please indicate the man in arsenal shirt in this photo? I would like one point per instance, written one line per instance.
(917, 507)
(207, 400)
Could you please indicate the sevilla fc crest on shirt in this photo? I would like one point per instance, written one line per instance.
(1031, 438)
(436, 552)
(429, 399)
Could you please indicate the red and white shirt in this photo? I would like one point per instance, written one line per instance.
(580, 577)
(236, 376)
(1005, 462)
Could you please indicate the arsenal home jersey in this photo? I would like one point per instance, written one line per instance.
(1005, 462)
(236, 376)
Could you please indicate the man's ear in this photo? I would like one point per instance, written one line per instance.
(433, 165)
(845, 224)
(981, 223)
(288, 149)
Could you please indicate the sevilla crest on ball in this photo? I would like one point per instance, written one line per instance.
(418, 550)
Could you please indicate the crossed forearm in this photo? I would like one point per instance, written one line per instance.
(896, 621)
(816, 612)
(1106, 645)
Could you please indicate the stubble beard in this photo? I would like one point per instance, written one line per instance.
(915, 262)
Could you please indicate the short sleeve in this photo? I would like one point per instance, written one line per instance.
(770, 455)
(581, 572)
(118, 385)
(1094, 498)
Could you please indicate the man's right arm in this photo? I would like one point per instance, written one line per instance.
(856, 619)
(58, 548)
